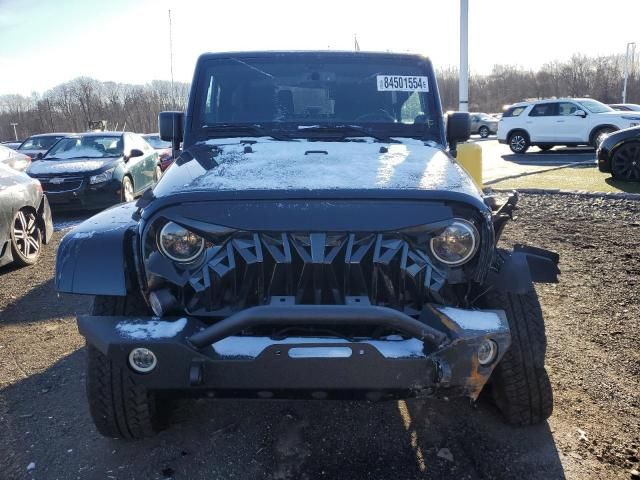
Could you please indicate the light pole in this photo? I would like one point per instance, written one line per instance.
(15, 133)
(631, 46)
(463, 82)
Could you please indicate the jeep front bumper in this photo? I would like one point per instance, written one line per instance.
(436, 354)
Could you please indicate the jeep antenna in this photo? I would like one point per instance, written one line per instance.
(171, 60)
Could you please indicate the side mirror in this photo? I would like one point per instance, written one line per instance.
(39, 156)
(580, 113)
(133, 154)
(170, 126)
(458, 129)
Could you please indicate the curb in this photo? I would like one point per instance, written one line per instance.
(580, 193)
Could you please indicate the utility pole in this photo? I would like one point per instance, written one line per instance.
(631, 48)
(463, 81)
(171, 61)
(356, 45)
(15, 132)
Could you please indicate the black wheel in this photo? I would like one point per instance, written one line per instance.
(119, 405)
(26, 237)
(519, 384)
(599, 135)
(519, 142)
(625, 163)
(127, 190)
(545, 148)
(484, 132)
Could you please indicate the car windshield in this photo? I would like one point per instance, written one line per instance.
(595, 107)
(91, 146)
(155, 142)
(316, 96)
(39, 143)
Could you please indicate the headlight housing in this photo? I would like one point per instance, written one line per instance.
(102, 177)
(456, 244)
(179, 244)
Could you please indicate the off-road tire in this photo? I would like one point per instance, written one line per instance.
(119, 406)
(519, 384)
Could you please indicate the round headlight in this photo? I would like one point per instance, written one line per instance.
(456, 244)
(180, 244)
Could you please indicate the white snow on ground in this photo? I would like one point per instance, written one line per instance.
(474, 319)
(277, 165)
(151, 329)
(392, 346)
(71, 166)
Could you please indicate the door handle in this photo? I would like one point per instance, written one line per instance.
(560, 121)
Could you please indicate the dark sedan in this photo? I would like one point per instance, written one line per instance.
(619, 154)
(25, 218)
(96, 170)
(163, 148)
(39, 144)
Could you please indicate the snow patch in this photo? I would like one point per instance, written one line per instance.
(151, 329)
(82, 235)
(475, 319)
(393, 346)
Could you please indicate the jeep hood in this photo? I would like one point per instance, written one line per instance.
(269, 165)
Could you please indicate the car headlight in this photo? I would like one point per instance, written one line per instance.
(456, 244)
(180, 244)
(102, 177)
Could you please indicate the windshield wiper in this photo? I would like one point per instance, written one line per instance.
(347, 131)
(235, 130)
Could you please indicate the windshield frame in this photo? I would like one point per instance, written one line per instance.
(195, 130)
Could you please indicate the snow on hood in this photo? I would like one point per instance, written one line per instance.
(303, 165)
(40, 167)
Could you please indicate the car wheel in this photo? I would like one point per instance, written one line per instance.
(484, 132)
(518, 142)
(519, 385)
(26, 238)
(600, 135)
(127, 190)
(157, 174)
(119, 405)
(545, 148)
(625, 163)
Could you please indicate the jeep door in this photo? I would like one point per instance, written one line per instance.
(569, 126)
(541, 124)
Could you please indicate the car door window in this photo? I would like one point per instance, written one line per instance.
(567, 109)
(544, 110)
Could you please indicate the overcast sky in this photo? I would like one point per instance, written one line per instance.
(44, 43)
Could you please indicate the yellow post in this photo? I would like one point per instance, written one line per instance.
(470, 158)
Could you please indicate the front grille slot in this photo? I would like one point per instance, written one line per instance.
(68, 184)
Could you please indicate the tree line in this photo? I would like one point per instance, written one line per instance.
(70, 107)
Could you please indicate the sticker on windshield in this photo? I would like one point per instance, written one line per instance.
(402, 83)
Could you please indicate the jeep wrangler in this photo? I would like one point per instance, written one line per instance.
(315, 238)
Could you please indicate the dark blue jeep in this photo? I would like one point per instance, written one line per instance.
(315, 238)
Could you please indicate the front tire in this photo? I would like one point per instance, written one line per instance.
(520, 385)
(26, 238)
(120, 407)
(484, 132)
(127, 190)
(625, 163)
(519, 142)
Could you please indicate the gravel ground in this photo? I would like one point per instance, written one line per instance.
(593, 360)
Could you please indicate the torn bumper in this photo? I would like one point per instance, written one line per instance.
(436, 354)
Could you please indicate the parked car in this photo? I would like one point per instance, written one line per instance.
(619, 154)
(483, 124)
(12, 145)
(95, 170)
(626, 107)
(39, 144)
(25, 218)
(165, 152)
(563, 121)
(14, 159)
(315, 239)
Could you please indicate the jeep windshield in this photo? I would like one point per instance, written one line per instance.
(317, 96)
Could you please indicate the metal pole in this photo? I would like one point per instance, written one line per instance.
(626, 69)
(171, 61)
(463, 82)
(15, 133)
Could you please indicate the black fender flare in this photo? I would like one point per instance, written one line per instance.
(515, 271)
(96, 257)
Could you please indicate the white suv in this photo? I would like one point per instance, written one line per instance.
(561, 121)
